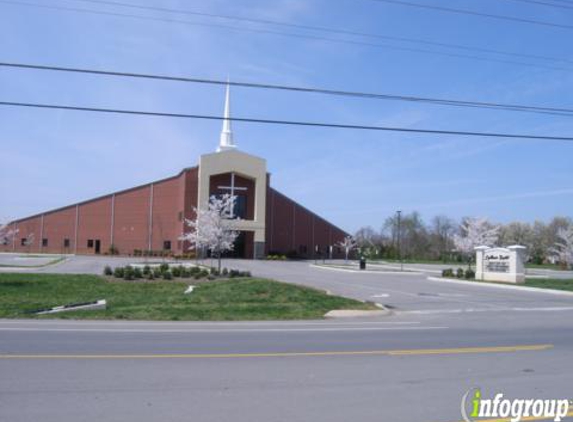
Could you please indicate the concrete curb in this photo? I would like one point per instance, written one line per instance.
(407, 268)
(34, 268)
(502, 286)
(94, 306)
(332, 268)
(349, 313)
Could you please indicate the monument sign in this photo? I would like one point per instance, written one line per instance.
(500, 264)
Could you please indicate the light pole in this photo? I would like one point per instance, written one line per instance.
(399, 212)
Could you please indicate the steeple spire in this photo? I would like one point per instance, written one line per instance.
(226, 140)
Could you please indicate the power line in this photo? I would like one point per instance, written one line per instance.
(288, 122)
(474, 13)
(326, 29)
(314, 90)
(302, 36)
(542, 3)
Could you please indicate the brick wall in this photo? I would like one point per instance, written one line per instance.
(291, 228)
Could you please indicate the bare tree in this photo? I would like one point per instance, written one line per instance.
(347, 244)
(518, 233)
(368, 242)
(213, 228)
(441, 235)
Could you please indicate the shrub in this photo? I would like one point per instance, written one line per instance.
(470, 274)
(137, 273)
(292, 254)
(194, 270)
(204, 273)
(185, 273)
(118, 272)
(234, 273)
(167, 275)
(107, 270)
(448, 272)
(460, 273)
(176, 271)
(225, 272)
(146, 269)
(246, 274)
(156, 273)
(164, 267)
(149, 276)
(197, 276)
(128, 273)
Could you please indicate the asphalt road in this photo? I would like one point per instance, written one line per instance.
(317, 371)
(414, 365)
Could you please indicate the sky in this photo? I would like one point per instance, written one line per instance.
(52, 158)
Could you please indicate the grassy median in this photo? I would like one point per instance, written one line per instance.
(550, 283)
(229, 300)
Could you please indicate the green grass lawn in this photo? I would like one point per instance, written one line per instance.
(237, 299)
(457, 264)
(545, 283)
(546, 267)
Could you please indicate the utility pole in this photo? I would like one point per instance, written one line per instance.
(399, 212)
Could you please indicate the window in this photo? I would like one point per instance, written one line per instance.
(23, 241)
(44, 242)
(90, 243)
(167, 245)
(66, 243)
(240, 209)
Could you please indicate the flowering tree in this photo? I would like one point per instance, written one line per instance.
(29, 241)
(7, 234)
(564, 246)
(347, 244)
(475, 232)
(213, 227)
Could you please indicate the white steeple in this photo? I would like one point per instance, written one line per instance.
(226, 140)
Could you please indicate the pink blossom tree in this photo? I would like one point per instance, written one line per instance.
(563, 248)
(475, 232)
(213, 227)
(347, 244)
(7, 234)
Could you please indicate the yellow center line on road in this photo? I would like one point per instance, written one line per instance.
(412, 352)
(524, 419)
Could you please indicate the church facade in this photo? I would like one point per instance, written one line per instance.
(150, 219)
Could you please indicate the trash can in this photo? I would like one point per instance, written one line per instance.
(362, 263)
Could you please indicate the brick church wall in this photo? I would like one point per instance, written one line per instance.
(294, 230)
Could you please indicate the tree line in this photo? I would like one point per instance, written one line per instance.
(409, 237)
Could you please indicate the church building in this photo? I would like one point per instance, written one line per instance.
(150, 219)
